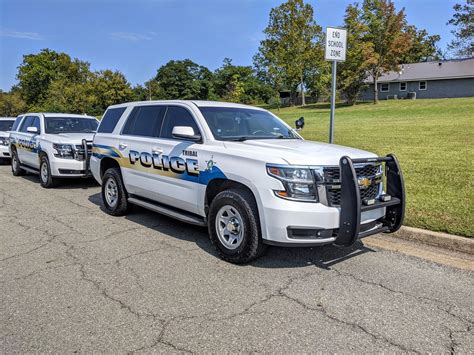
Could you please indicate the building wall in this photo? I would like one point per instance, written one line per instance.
(436, 89)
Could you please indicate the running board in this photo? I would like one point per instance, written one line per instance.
(169, 211)
(30, 170)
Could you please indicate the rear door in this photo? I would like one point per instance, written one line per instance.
(139, 150)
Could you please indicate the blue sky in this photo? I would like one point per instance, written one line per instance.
(138, 36)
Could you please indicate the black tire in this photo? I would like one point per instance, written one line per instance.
(16, 170)
(46, 178)
(251, 245)
(121, 206)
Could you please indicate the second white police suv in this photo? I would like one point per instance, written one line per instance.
(53, 145)
(6, 124)
(243, 173)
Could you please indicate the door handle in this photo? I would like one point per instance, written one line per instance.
(122, 146)
(157, 150)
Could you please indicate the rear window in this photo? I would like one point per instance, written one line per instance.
(6, 125)
(56, 125)
(110, 119)
(17, 123)
(144, 121)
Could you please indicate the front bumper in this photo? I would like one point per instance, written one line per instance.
(291, 223)
(72, 167)
(69, 168)
(4, 152)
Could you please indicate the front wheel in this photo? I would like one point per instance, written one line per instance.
(114, 194)
(16, 170)
(234, 226)
(46, 178)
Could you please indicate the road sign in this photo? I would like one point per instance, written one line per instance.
(336, 40)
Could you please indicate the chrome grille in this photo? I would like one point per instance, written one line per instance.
(332, 178)
(79, 153)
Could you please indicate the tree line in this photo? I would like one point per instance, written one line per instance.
(290, 58)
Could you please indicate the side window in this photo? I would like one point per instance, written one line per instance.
(110, 119)
(17, 123)
(384, 87)
(177, 116)
(144, 121)
(27, 122)
(36, 123)
(422, 85)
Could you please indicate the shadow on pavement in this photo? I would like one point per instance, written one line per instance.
(66, 183)
(276, 257)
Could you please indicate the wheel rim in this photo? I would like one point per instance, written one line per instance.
(44, 172)
(111, 192)
(14, 162)
(229, 227)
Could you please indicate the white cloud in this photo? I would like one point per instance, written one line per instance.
(24, 35)
(133, 36)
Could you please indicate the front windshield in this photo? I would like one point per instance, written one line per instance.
(6, 125)
(229, 123)
(56, 125)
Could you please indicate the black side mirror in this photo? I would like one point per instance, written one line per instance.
(299, 123)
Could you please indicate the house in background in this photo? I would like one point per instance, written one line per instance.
(427, 80)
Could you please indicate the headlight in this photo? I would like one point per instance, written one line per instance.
(298, 182)
(63, 151)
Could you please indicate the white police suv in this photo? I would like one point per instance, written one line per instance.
(53, 145)
(6, 124)
(243, 173)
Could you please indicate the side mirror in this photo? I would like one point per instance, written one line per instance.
(32, 130)
(185, 132)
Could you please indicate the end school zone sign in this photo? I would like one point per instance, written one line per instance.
(336, 40)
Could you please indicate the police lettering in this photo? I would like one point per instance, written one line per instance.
(163, 162)
(26, 144)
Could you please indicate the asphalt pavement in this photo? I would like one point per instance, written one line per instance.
(74, 279)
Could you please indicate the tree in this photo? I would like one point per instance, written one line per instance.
(11, 104)
(292, 46)
(109, 88)
(463, 20)
(237, 83)
(184, 79)
(318, 80)
(71, 97)
(385, 31)
(423, 46)
(352, 73)
(38, 71)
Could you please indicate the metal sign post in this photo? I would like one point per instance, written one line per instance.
(336, 40)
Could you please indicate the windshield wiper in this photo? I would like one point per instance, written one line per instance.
(237, 139)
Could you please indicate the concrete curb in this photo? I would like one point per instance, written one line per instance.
(442, 240)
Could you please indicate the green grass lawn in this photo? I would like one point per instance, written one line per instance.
(434, 141)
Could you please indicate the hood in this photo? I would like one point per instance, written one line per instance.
(72, 138)
(300, 152)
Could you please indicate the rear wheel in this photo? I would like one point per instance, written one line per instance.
(46, 178)
(16, 170)
(234, 226)
(114, 194)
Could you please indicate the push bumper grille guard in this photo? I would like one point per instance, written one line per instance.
(351, 206)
